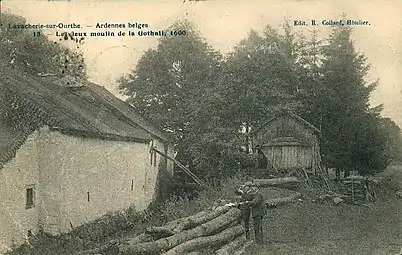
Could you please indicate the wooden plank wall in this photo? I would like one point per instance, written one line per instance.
(286, 157)
(304, 155)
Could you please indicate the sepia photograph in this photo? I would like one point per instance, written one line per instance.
(200, 127)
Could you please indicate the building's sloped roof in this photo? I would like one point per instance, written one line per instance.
(292, 115)
(10, 142)
(73, 108)
(128, 111)
(89, 111)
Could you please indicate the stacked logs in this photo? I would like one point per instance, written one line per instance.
(277, 181)
(211, 229)
(217, 230)
(204, 230)
(359, 189)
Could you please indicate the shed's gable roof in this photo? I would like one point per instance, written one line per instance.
(294, 116)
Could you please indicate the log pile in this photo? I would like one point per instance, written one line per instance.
(211, 229)
(274, 202)
(191, 239)
(217, 229)
(232, 246)
(359, 189)
(277, 181)
(355, 190)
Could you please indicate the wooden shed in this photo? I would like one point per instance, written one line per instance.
(287, 141)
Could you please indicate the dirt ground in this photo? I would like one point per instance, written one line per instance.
(309, 227)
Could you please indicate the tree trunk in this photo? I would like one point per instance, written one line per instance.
(159, 231)
(195, 253)
(232, 246)
(276, 181)
(104, 249)
(346, 174)
(283, 200)
(337, 174)
(195, 220)
(139, 239)
(207, 241)
(247, 138)
(172, 224)
(243, 250)
(164, 244)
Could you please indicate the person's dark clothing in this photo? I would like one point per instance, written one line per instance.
(258, 212)
(255, 208)
(258, 229)
(257, 205)
(246, 212)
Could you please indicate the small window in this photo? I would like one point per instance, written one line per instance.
(30, 197)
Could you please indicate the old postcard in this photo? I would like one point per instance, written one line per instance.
(200, 127)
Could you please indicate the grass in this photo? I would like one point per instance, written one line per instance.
(314, 228)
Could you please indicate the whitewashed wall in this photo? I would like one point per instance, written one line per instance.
(15, 176)
(64, 170)
(115, 176)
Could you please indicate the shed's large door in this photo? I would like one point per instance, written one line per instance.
(285, 157)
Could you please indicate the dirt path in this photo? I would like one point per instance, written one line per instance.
(313, 228)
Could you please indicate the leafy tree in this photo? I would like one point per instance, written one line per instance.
(258, 77)
(216, 144)
(393, 137)
(263, 74)
(31, 51)
(169, 83)
(352, 139)
(311, 89)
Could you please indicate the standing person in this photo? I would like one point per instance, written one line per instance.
(252, 203)
(245, 207)
(257, 205)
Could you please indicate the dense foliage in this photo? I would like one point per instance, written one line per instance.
(31, 51)
(352, 136)
(211, 102)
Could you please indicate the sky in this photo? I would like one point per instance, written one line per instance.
(223, 24)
